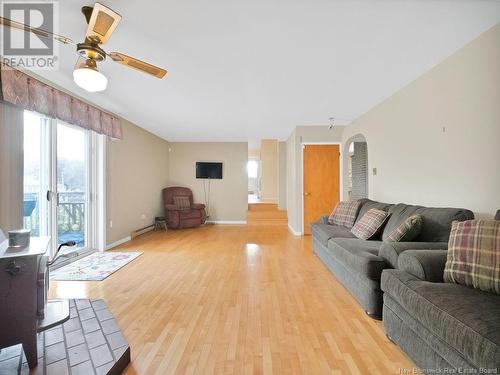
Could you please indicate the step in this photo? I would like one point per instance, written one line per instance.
(263, 206)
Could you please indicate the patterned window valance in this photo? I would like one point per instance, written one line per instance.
(22, 90)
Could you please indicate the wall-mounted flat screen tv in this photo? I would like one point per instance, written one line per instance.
(211, 170)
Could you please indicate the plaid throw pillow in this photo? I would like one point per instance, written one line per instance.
(407, 230)
(369, 225)
(182, 203)
(345, 213)
(474, 255)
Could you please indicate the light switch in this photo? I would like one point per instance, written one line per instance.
(374, 171)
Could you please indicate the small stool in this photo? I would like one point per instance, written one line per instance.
(160, 223)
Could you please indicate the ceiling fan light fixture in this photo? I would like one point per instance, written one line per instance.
(89, 78)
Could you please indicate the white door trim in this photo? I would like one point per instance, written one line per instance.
(341, 172)
(98, 191)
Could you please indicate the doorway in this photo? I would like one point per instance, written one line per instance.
(253, 171)
(321, 181)
(58, 182)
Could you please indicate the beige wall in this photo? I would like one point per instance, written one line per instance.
(282, 175)
(269, 170)
(229, 196)
(137, 171)
(11, 168)
(291, 182)
(436, 141)
(254, 154)
(303, 134)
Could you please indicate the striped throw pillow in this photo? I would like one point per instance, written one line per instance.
(407, 230)
(370, 224)
(345, 213)
(182, 203)
(474, 255)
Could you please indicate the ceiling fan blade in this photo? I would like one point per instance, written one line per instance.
(38, 32)
(137, 64)
(102, 23)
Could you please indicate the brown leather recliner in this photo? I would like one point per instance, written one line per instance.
(182, 218)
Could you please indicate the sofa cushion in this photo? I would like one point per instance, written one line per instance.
(345, 213)
(466, 319)
(407, 230)
(474, 255)
(370, 224)
(367, 205)
(323, 232)
(436, 223)
(359, 255)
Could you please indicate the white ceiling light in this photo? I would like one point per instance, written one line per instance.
(89, 78)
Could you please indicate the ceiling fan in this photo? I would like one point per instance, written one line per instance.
(102, 22)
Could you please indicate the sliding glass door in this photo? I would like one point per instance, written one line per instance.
(36, 175)
(71, 185)
(57, 177)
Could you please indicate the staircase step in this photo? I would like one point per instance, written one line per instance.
(263, 207)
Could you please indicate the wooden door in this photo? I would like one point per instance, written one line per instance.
(321, 181)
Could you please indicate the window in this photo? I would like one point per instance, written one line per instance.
(358, 168)
(35, 175)
(71, 190)
(59, 179)
(252, 168)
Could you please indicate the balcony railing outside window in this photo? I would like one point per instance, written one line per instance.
(70, 216)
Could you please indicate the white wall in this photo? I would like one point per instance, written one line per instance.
(229, 196)
(436, 141)
(282, 175)
(269, 170)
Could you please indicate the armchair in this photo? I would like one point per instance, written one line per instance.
(177, 217)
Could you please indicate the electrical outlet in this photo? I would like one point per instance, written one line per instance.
(143, 216)
(111, 223)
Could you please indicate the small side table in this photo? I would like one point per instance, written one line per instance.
(160, 223)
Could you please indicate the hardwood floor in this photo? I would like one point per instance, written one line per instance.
(237, 300)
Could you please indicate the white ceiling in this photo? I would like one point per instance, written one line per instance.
(243, 70)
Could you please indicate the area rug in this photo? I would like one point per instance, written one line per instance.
(95, 267)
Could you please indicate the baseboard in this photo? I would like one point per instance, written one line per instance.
(118, 243)
(295, 233)
(229, 222)
(138, 232)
